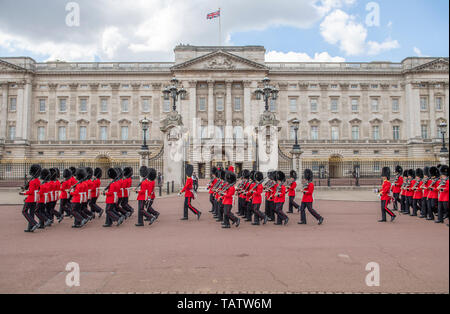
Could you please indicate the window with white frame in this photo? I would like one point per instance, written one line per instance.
(423, 103)
(237, 104)
(375, 104)
(42, 105)
(12, 132)
(293, 105)
(41, 133)
(424, 131)
(395, 105)
(83, 133)
(355, 105)
(438, 103)
(292, 132)
(13, 104)
(125, 104)
(145, 105)
(83, 105)
(334, 105)
(334, 133)
(314, 133)
(220, 104)
(355, 132)
(103, 133)
(62, 133)
(396, 132)
(104, 105)
(376, 132)
(124, 133)
(238, 132)
(202, 104)
(220, 132)
(62, 105)
(314, 104)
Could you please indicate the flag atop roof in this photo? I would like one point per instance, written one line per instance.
(213, 15)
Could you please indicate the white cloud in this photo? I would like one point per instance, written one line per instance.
(275, 56)
(418, 52)
(111, 41)
(342, 29)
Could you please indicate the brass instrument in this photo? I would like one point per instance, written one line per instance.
(442, 184)
(433, 183)
(414, 188)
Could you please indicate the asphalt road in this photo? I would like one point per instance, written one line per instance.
(200, 257)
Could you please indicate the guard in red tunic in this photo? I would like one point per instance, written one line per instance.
(403, 192)
(385, 195)
(248, 194)
(443, 195)
(210, 186)
(77, 193)
(188, 194)
(228, 201)
(425, 184)
(143, 196)
(256, 200)
(417, 189)
(241, 194)
(397, 186)
(410, 191)
(291, 192)
(270, 192)
(31, 190)
(433, 194)
(43, 199)
(66, 185)
(95, 192)
(126, 183)
(111, 192)
(280, 198)
(308, 199)
(152, 174)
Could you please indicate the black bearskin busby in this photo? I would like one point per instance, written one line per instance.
(223, 174)
(89, 173)
(81, 174)
(128, 172)
(214, 171)
(143, 172)
(293, 174)
(230, 177)
(280, 176)
(444, 170)
(411, 173)
(189, 170)
(258, 176)
(246, 174)
(419, 173)
(152, 174)
(98, 173)
(398, 170)
(35, 171)
(53, 174)
(308, 175)
(67, 174)
(426, 171)
(119, 172)
(73, 170)
(112, 173)
(434, 172)
(271, 175)
(386, 172)
(45, 174)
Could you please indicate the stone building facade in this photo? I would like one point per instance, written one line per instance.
(347, 111)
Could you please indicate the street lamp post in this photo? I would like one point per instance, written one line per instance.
(296, 124)
(443, 129)
(145, 126)
(267, 92)
(174, 92)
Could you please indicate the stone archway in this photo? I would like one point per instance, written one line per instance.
(103, 162)
(335, 166)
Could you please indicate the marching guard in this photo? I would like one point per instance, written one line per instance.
(227, 201)
(96, 183)
(280, 198)
(291, 192)
(152, 174)
(31, 190)
(433, 193)
(425, 191)
(397, 186)
(189, 195)
(256, 199)
(111, 192)
(77, 193)
(443, 195)
(417, 189)
(385, 195)
(143, 197)
(211, 184)
(270, 189)
(308, 199)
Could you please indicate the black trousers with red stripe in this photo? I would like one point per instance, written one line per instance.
(442, 211)
(312, 211)
(432, 207)
(150, 208)
(385, 209)
(281, 216)
(28, 212)
(142, 212)
(292, 204)
(228, 215)
(424, 207)
(258, 213)
(64, 207)
(396, 200)
(94, 207)
(416, 206)
(188, 206)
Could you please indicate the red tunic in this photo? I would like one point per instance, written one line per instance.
(443, 195)
(211, 186)
(65, 187)
(308, 194)
(33, 191)
(282, 196)
(151, 190)
(112, 193)
(228, 197)
(425, 189)
(77, 193)
(418, 192)
(257, 199)
(187, 190)
(410, 191)
(385, 190)
(397, 186)
(292, 187)
(143, 192)
(433, 194)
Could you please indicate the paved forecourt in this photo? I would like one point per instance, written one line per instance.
(200, 257)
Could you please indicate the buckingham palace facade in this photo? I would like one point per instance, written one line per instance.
(75, 111)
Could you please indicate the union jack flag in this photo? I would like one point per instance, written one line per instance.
(213, 15)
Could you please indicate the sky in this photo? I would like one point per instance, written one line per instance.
(290, 30)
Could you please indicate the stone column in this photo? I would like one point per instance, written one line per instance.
(155, 132)
(72, 112)
(229, 111)
(192, 112)
(247, 104)
(94, 108)
(135, 112)
(432, 108)
(26, 126)
(20, 109)
(52, 108)
(267, 136)
(211, 108)
(297, 162)
(413, 111)
(4, 110)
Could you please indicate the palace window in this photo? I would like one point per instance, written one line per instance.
(145, 105)
(354, 86)
(293, 105)
(125, 104)
(124, 133)
(220, 104)
(375, 105)
(423, 103)
(334, 133)
(220, 132)
(376, 132)
(424, 131)
(202, 104)
(314, 104)
(238, 132)
(395, 105)
(42, 105)
(355, 132)
(292, 132)
(83, 105)
(12, 132)
(355, 105)
(104, 105)
(41, 133)
(396, 132)
(314, 133)
(334, 105)
(237, 104)
(438, 103)
(103, 133)
(62, 133)
(13, 104)
(83, 133)
(63, 105)
(273, 105)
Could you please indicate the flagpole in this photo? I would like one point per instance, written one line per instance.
(220, 28)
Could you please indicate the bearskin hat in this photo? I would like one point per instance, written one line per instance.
(128, 172)
(73, 170)
(230, 177)
(81, 174)
(58, 173)
(398, 169)
(293, 174)
(189, 170)
(386, 172)
(35, 171)
(119, 172)
(271, 175)
(444, 170)
(223, 174)
(252, 175)
(45, 174)
(258, 176)
(67, 174)
(143, 172)
(419, 173)
(434, 172)
(89, 173)
(426, 171)
(405, 173)
(280, 176)
(112, 173)
(214, 170)
(152, 174)
(246, 174)
(411, 173)
(98, 172)
(308, 174)
(53, 174)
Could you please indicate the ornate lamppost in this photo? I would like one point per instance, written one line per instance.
(145, 123)
(296, 124)
(443, 130)
(267, 92)
(174, 92)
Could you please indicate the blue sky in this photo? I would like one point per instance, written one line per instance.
(291, 30)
